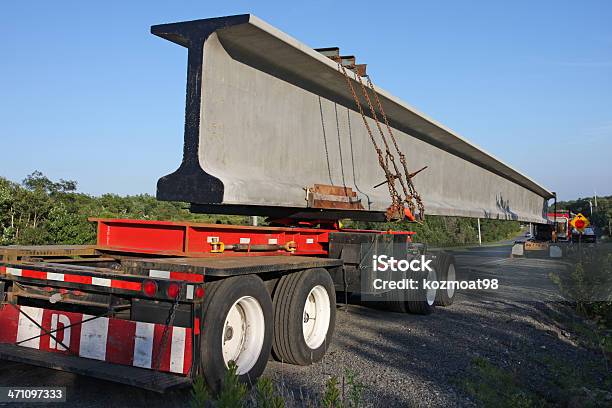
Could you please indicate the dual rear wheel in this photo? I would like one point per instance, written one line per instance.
(304, 316)
(444, 264)
(424, 300)
(241, 323)
(236, 327)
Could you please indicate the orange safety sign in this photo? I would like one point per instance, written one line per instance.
(580, 222)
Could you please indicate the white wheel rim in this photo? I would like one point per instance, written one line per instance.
(431, 291)
(316, 317)
(450, 277)
(243, 334)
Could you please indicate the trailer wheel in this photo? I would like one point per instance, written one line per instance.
(395, 300)
(445, 266)
(304, 316)
(237, 326)
(423, 300)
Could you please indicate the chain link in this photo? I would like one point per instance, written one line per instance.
(396, 210)
(164, 339)
(412, 194)
(395, 202)
(389, 156)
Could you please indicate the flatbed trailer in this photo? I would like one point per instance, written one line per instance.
(154, 304)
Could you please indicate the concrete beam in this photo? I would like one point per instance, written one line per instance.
(267, 117)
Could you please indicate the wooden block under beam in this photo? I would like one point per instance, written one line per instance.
(14, 252)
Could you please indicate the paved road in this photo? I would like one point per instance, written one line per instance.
(404, 359)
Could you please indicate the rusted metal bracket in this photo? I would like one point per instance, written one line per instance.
(348, 61)
(38, 292)
(334, 197)
(329, 52)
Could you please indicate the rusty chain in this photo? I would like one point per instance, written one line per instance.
(402, 157)
(169, 322)
(396, 210)
(396, 203)
(389, 155)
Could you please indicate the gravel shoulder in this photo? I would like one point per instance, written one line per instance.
(523, 331)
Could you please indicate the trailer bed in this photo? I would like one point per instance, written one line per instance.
(226, 266)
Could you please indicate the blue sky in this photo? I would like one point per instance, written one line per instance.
(89, 94)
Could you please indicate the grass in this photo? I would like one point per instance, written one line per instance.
(492, 386)
(594, 336)
(233, 392)
(332, 397)
(585, 385)
(267, 394)
(556, 382)
(587, 283)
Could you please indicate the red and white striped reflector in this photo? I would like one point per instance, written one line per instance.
(107, 339)
(65, 277)
(183, 276)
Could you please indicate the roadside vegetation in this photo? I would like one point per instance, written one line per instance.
(492, 385)
(586, 282)
(449, 231)
(346, 392)
(41, 211)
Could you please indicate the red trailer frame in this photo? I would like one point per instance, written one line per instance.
(162, 261)
(196, 240)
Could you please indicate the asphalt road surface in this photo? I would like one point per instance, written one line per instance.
(404, 360)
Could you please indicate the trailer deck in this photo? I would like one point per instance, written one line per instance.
(229, 266)
(137, 302)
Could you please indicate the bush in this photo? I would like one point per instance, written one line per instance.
(40, 211)
(587, 280)
(448, 231)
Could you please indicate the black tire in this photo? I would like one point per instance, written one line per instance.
(290, 295)
(396, 306)
(395, 300)
(220, 297)
(445, 268)
(419, 302)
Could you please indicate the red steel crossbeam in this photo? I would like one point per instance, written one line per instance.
(191, 239)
